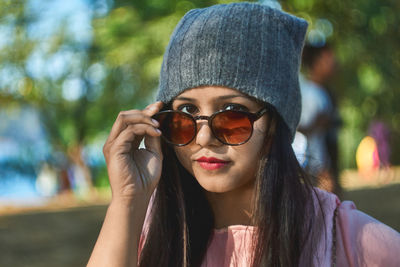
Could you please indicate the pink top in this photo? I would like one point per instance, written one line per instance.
(361, 240)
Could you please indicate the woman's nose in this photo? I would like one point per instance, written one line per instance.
(204, 136)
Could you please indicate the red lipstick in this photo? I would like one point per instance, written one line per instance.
(211, 163)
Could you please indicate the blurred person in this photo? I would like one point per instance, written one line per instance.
(367, 158)
(217, 182)
(373, 154)
(320, 119)
(381, 133)
(46, 183)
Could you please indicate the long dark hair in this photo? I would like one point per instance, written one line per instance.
(181, 221)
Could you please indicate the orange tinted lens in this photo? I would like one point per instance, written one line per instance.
(176, 127)
(232, 127)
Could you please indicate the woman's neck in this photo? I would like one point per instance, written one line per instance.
(232, 208)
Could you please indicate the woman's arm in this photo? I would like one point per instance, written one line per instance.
(117, 244)
(364, 241)
(134, 174)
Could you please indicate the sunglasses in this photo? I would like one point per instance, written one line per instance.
(230, 127)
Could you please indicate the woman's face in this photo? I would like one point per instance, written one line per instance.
(240, 163)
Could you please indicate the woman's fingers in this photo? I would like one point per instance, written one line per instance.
(150, 110)
(131, 137)
(153, 108)
(126, 118)
(153, 144)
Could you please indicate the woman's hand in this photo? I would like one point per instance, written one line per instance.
(133, 174)
(133, 171)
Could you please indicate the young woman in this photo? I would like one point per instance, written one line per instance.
(217, 182)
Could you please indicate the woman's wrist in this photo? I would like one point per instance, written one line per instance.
(137, 203)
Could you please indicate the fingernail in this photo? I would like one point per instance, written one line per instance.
(155, 122)
(158, 131)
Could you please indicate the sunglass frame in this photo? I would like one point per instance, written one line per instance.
(251, 116)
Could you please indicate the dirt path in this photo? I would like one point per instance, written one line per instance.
(57, 238)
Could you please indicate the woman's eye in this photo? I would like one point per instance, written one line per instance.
(235, 107)
(190, 109)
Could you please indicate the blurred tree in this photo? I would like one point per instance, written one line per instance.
(40, 65)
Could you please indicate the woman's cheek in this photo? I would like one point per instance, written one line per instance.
(184, 159)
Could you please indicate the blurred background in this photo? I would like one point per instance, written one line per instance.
(68, 67)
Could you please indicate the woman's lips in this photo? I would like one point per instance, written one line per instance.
(211, 163)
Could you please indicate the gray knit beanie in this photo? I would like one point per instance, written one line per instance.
(249, 47)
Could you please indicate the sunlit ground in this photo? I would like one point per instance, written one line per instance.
(63, 233)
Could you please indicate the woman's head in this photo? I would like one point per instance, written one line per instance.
(249, 47)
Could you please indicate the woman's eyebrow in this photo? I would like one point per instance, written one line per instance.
(182, 98)
(230, 97)
(223, 97)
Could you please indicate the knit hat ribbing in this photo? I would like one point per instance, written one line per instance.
(249, 47)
